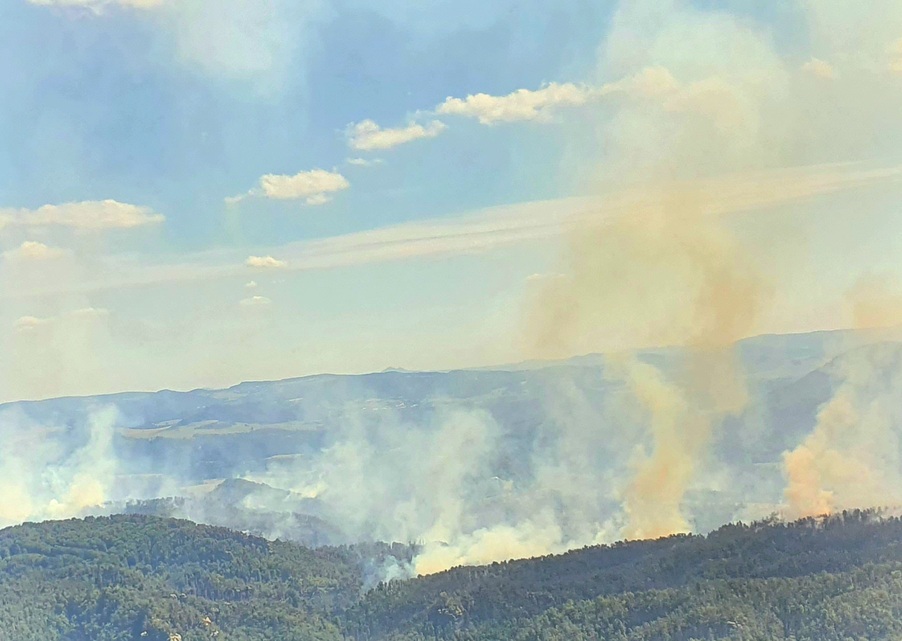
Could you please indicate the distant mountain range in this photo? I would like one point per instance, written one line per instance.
(174, 449)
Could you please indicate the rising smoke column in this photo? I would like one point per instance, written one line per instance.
(853, 456)
(43, 477)
(669, 274)
(684, 112)
(669, 270)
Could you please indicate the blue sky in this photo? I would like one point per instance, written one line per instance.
(224, 190)
(104, 107)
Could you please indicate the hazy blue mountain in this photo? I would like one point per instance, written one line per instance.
(179, 444)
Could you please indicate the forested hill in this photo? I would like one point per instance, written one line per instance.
(140, 577)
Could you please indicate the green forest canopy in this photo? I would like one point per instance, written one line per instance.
(141, 577)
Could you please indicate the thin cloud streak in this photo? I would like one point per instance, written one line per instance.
(493, 228)
(88, 215)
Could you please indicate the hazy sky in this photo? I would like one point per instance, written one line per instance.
(199, 192)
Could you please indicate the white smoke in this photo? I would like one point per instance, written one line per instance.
(44, 475)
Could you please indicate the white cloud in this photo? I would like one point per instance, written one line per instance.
(265, 262)
(650, 83)
(368, 136)
(314, 186)
(318, 199)
(820, 68)
(251, 284)
(93, 215)
(304, 184)
(364, 162)
(33, 250)
(523, 104)
(28, 323)
(539, 104)
(255, 301)
(653, 82)
(85, 315)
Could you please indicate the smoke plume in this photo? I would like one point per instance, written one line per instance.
(673, 272)
(51, 473)
(875, 301)
(853, 456)
(667, 275)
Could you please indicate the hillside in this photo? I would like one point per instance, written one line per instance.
(140, 577)
(253, 508)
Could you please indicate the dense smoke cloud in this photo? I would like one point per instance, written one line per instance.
(853, 456)
(669, 275)
(875, 301)
(52, 473)
(436, 484)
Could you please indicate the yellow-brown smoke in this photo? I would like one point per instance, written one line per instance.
(875, 301)
(671, 271)
(852, 456)
(670, 274)
(652, 500)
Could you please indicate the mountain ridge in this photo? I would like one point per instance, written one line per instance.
(503, 367)
(125, 577)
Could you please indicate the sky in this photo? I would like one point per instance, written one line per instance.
(194, 193)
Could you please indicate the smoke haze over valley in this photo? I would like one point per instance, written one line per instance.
(472, 466)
